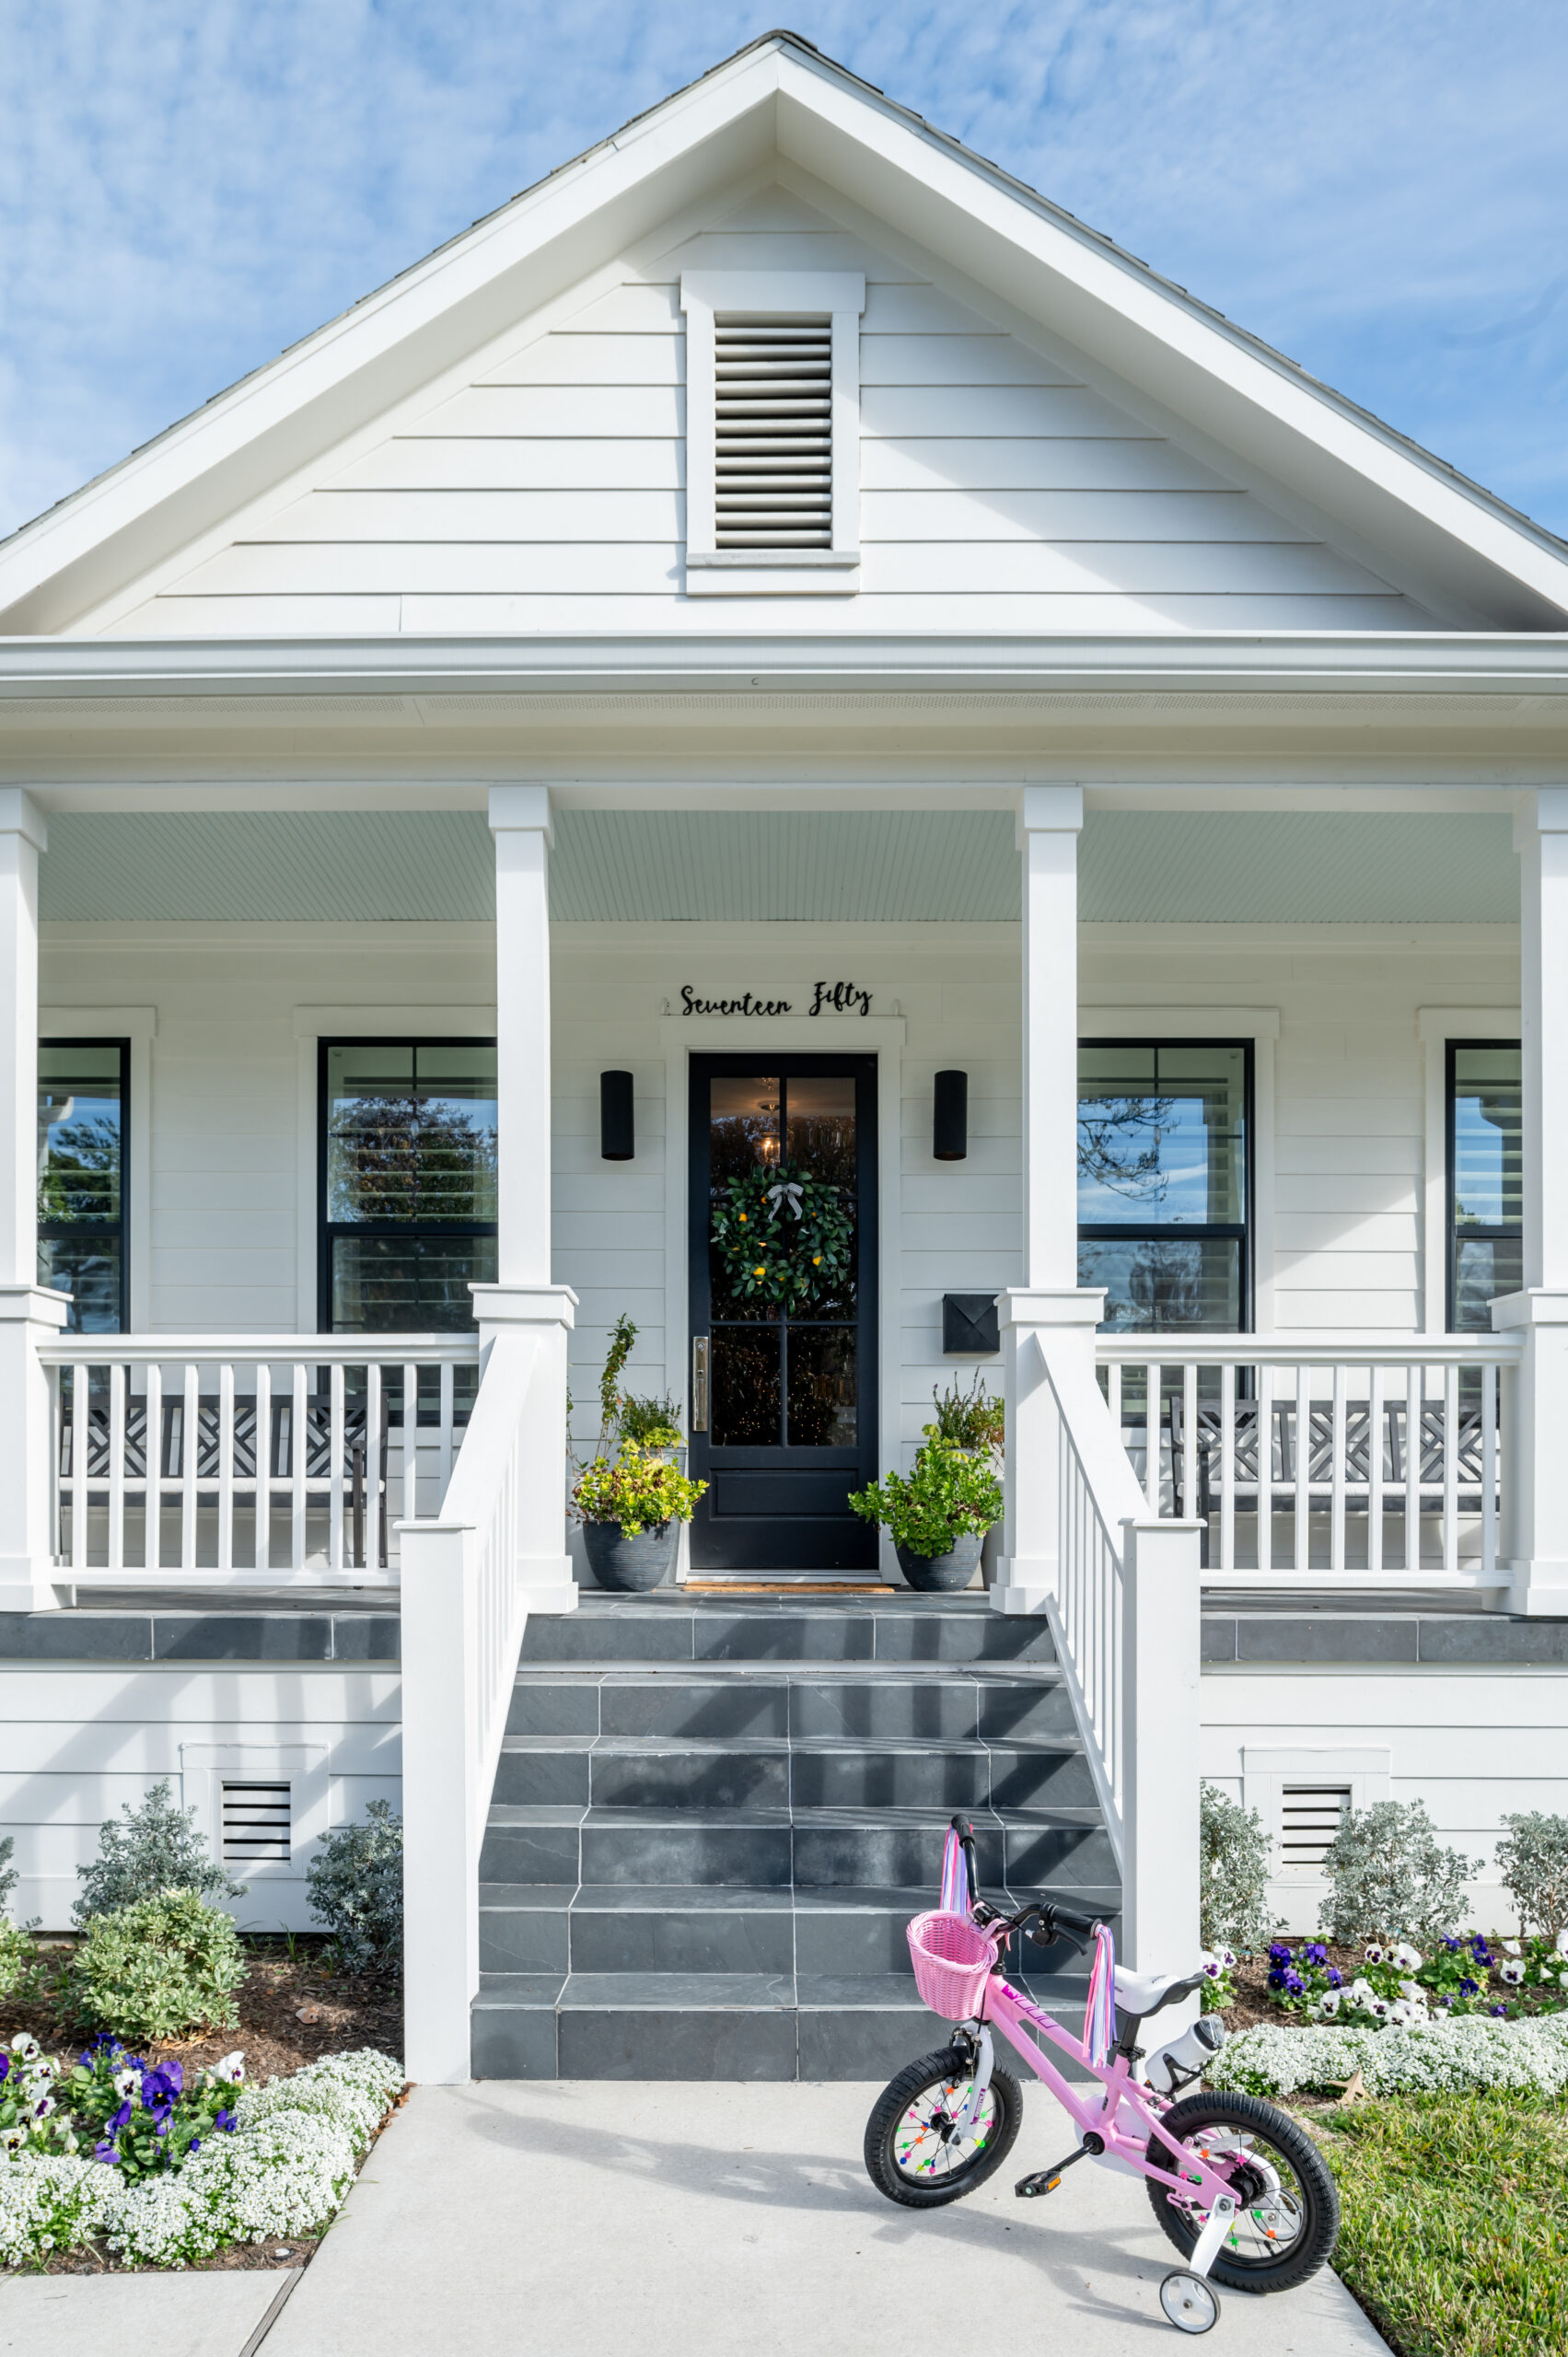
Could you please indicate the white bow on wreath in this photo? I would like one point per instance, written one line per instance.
(790, 1190)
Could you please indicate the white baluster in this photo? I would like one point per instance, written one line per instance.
(262, 1551)
(1339, 1442)
(1451, 1469)
(1227, 1468)
(116, 1557)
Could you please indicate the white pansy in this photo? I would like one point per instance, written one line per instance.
(1562, 1942)
(1511, 1974)
(1375, 1955)
(1405, 1959)
(1329, 2004)
(231, 2070)
(25, 2047)
(126, 2083)
(1510, 1948)
(1413, 1990)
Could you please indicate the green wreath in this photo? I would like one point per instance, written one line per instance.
(782, 1235)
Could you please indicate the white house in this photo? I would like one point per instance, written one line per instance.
(783, 612)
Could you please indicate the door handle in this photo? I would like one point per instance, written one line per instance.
(699, 1382)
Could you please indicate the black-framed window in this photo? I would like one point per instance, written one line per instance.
(84, 1101)
(407, 1130)
(1485, 1179)
(1165, 1181)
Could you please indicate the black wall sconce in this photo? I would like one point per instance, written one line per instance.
(617, 1126)
(950, 1117)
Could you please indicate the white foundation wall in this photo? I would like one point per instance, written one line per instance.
(1474, 1744)
(77, 1743)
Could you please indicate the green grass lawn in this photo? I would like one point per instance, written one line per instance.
(1454, 2234)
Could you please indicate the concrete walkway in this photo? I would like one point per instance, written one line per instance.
(212, 2314)
(583, 2217)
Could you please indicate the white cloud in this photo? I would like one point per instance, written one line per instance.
(188, 185)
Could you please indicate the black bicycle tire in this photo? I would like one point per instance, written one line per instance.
(896, 2098)
(1312, 2248)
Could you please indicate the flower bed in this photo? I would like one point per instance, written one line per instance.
(1442, 2056)
(176, 2172)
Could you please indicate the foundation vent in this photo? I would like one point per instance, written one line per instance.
(258, 1823)
(1310, 1816)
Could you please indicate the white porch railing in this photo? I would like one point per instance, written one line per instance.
(1340, 1458)
(256, 1460)
(1123, 1610)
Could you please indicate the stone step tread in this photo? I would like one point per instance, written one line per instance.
(760, 1670)
(728, 1992)
(662, 1899)
(781, 1746)
(871, 1813)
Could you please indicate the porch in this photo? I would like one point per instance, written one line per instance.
(1336, 1442)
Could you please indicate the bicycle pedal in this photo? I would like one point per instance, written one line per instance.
(1038, 2181)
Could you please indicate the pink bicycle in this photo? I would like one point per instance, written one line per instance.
(1242, 2190)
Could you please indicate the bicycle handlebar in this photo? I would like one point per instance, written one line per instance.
(1055, 1919)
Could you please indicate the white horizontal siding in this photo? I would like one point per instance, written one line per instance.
(1002, 493)
(78, 1744)
(1473, 1745)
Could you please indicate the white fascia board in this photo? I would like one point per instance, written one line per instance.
(1511, 663)
(1186, 358)
(376, 354)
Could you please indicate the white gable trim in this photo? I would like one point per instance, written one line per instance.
(779, 100)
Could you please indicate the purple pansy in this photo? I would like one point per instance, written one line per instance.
(1470, 1988)
(226, 2121)
(1336, 1978)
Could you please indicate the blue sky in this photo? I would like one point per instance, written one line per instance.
(1376, 186)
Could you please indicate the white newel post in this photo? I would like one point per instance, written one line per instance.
(1050, 819)
(29, 1314)
(1535, 1415)
(1160, 1704)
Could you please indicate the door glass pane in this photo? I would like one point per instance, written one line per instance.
(822, 1386)
(408, 1283)
(1482, 1270)
(745, 1390)
(78, 1134)
(1162, 1135)
(1155, 1282)
(744, 1131)
(1488, 1158)
(820, 1126)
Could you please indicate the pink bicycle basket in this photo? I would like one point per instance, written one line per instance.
(952, 1961)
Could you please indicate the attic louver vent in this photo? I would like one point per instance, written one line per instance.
(1309, 1817)
(257, 1824)
(773, 440)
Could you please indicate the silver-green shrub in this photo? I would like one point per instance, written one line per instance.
(1533, 1860)
(158, 1847)
(1232, 1851)
(9, 1873)
(355, 1884)
(171, 1963)
(1389, 1879)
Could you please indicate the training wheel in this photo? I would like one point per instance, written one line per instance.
(1189, 2301)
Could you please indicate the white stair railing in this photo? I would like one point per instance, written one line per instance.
(1346, 1460)
(249, 1460)
(468, 1580)
(1123, 1610)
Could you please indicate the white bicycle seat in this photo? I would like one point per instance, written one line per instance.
(1144, 1993)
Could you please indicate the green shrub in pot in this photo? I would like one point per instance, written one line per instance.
(937, 1517)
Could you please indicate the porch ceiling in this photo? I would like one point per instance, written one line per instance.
(1219, 867)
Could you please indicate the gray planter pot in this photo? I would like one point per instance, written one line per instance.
(633, 1566)
(943, 1575)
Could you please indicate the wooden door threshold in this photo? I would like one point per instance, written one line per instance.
(788, 1587)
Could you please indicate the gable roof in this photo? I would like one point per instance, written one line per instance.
(1463, 553)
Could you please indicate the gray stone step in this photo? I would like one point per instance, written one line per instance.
(713, 1819)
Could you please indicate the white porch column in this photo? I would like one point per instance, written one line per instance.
(1535, 1535)
(28, 1314)
(1050, 819)
(519, 820)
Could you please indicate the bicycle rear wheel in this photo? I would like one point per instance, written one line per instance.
(1287, 2218)
(914, 2152)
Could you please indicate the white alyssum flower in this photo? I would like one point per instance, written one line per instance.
(282, 2173)
(1440, 2056)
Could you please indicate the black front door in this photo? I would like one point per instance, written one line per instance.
(784, 1310)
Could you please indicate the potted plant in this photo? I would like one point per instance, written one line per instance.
(631, 1497)
(939, 1516)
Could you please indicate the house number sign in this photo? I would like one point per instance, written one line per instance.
(826, 998)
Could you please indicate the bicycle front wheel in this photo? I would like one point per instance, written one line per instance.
(915, 2151)
(1287, 2210)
